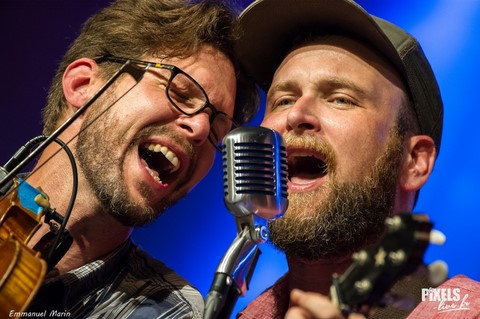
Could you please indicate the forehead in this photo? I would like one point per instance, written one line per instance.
(355, 49)
(340, 64)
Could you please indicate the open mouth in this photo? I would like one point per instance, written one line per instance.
(160, 162)
(304, 168)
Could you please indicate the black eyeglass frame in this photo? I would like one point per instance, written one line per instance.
(174, 70)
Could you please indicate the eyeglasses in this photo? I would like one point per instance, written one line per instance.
(185, 94)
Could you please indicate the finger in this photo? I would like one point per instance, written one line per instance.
(298, 313)
(318, 305)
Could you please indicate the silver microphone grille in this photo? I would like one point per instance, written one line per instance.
(255, 172)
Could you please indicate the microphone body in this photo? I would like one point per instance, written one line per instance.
(255, 189)
(255, 172)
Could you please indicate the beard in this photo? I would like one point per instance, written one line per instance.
(102, 167)
(333, 223)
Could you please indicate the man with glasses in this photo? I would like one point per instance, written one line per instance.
(162, 90)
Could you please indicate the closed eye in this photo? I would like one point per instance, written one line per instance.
(178, 94)
(282, 102)
(342, 101)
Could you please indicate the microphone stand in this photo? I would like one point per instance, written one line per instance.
(235, 269)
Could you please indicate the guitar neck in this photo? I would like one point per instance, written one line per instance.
(376, 269)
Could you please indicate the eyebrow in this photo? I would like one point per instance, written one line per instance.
(282, 86)
(329, 84)
(337, 82)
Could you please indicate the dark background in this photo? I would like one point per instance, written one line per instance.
(194, 235)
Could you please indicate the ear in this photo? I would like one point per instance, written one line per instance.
(418, 163)
(77, 80)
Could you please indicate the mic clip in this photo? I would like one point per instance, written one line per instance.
(257, 227)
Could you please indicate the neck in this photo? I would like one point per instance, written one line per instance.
(95, 232)
(315, 276)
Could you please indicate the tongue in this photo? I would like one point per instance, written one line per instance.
(303, 178)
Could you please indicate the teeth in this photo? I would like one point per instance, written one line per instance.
(154, 175)
(172, 158)
(299, 154)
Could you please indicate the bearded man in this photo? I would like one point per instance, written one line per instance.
(360, 110)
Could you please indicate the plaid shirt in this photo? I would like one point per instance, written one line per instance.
(405, 295)
(128, 283)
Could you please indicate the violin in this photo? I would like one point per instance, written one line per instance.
(21, 268)
(23, 210)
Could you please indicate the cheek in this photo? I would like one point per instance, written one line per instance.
(358, 147)
(203, 165)
(275, 121)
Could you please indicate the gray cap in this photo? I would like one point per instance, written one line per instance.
(269, 28)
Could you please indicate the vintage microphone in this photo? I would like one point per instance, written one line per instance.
(255, 191)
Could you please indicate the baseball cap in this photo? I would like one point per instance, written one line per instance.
(269, 27)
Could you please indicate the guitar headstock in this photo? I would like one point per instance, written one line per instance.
(375, 270)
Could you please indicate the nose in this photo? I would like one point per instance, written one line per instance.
(303, 116)
(195, 127)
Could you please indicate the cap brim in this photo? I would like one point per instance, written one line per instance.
(270, 26)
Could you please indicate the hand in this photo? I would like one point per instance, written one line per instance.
(311, 305)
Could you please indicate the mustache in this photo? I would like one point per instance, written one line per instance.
(153, 130)
(320, 148)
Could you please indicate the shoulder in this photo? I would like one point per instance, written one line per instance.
(272, 303)
(462, 281)
(458, 297)
(154, 289)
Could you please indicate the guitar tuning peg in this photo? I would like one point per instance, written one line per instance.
(437, 237)
(438, 272)
(363, 286)
(393, 223)
(361, 257)
(397, 257)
